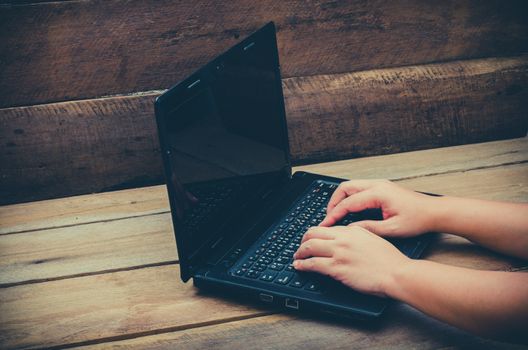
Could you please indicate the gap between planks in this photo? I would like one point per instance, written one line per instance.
(154, 208)
(161, 331)
(168, 211)
(91, 273)
(160, 250)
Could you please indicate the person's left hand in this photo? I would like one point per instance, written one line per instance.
(352, 255)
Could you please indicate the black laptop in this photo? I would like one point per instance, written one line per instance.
(238, 211)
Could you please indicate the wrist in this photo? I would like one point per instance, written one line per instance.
(436, 211)
(395, 284)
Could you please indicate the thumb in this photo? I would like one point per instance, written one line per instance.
(379, 227)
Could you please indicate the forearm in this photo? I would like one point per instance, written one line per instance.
(499, 226)
(489, 303)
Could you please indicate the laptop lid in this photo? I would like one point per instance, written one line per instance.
(224, 141)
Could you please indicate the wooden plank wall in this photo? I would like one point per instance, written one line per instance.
(77, 80)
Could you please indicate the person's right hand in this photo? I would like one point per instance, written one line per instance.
(405, 213)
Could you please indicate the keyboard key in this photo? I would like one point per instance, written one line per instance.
(282, 260)
(240, 272)
(259, 267)
(293, 246)
(268, 276)
(288, 252)
(312, 287)
(264, 260)
(276, 245)
(284, 278)
(252, 274)
(298, 281)
(277, 267)
(271, 253)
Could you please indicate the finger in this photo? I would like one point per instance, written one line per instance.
(379, 227)
(346, 189)
(356, 202)
(338, 195)
(319, 233)
(318, 264)
(314, 247)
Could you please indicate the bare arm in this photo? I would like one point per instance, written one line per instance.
(499, 226)
(488, 303)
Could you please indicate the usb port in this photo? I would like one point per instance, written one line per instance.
(266, 297)
(292, 303)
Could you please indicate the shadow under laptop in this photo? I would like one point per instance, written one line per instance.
(331, 319)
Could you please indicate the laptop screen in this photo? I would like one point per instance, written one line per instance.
(224, 138)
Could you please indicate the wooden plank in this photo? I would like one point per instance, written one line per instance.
(70, 50)
(119, 305)
(71, 211)
(137, 202)
(400, 166)
(402, 328)
(108, 306)
(74, 147)
(87, 249)
(148, 240)
(51, 150)
(507, 183)
(404, 109)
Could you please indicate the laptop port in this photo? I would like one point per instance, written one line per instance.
(292, 303)
(266, 297)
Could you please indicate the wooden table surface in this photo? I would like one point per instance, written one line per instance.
(102, 271)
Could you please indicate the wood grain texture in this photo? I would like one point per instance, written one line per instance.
(408, 108)
(143, 302)
(74, 147)
(151, 200)
(71, 211)
(69, 148)
(149, 240)
(65, 50)
(429, 162)
(151, 308)
(106, 246)
(108, 306)
(124, 304)
(507, 183)
(401, 328)
(139, 202)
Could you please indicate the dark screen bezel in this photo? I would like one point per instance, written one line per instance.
(185, 90)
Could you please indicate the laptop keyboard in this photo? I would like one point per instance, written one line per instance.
(270, 258)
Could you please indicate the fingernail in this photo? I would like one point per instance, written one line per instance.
(296, 263)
